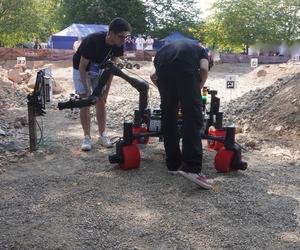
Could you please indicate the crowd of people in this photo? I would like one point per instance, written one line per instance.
(139, 43)
(131, 43)
(181, 69)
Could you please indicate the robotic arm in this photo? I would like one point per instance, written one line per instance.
(109, 68)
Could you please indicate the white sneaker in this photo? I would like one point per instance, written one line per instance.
(173, 172)
(87, 143)
(104, 140)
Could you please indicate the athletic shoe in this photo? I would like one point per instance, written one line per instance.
(87, 143)
(197, 178)
(173, 172)
(105, 141)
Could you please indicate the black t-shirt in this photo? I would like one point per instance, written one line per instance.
(185, 54)
(94, 48)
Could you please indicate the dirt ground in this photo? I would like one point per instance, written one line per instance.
(62, 198)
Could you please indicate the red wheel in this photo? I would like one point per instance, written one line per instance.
(131, 157)
(223, 160)
(141, 140)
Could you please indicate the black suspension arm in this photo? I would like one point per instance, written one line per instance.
(109, 68)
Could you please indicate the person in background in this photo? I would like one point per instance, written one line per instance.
(140, 42)
(76, 44)
(149, 43)
(37, 44)
(181, 69)
(129, 44)
(93, 51)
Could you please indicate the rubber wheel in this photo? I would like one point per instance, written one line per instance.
(120, 65)
(223, 160)
(129, 66)
(131, 157)
(137, 66)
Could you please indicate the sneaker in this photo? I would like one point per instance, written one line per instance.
(173, 172)
(199, 179)
(105, 141)
(87, 143)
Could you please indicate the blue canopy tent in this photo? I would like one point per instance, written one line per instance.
(65, 38)
(175, 36)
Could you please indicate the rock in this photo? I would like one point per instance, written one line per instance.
(2, 132)
(17, 124)
(25, 76)
(250, 144)
(293, 101)
(14, 75)
(57, 89)
(261, 73)
(238, 130)
(20, 67)
(22, 120)
(246, 128)
(31, 82)
(9, 146)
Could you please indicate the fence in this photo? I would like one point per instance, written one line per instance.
(237, 58)
(60, 54)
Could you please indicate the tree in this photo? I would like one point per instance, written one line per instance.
(20, 20)
(287, 14)
(240, 23)
(103, 11)
(165, 16)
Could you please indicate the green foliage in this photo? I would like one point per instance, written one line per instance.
(102, 12)
(21, 20)
(240, 23)
(166, 16)
(235, 24)
(288, 20)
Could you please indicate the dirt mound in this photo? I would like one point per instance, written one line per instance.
(272, 112)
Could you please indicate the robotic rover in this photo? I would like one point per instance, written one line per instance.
(147, 123)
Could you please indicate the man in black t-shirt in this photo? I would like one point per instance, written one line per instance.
(181, 69)
(93, 51)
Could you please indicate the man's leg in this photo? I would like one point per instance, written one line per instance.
(101, 114)
(85, 118)
(169, 106)
(191, 104)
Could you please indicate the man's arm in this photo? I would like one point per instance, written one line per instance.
(203, 71)
(83, 75)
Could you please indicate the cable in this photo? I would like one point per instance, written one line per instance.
(246, 150)
(41, 130)
(150, 83)
(114, 141)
